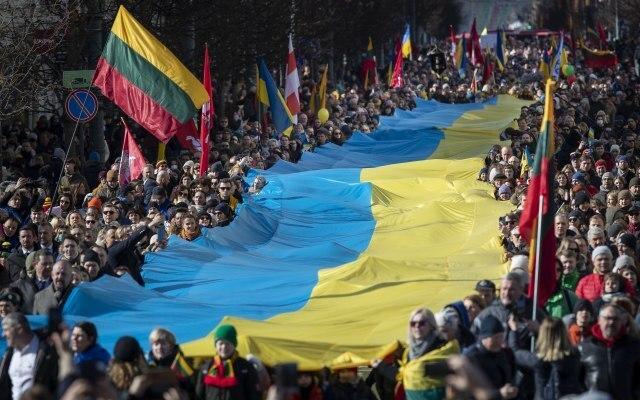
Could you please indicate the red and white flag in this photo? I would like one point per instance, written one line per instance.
(206, 119)
(292, 84)
(131, 160)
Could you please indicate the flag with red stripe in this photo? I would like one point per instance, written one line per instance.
(539, 202)
(206, 118)
(292, 84)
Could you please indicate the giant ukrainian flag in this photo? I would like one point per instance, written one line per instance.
(335, 251)
(138, 73)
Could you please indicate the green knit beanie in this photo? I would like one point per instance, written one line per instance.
(226, 332)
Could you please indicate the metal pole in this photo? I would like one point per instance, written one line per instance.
(617, 22)
(536, 277)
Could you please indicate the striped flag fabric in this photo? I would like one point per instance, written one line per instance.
(501, 54)
(270, 96)
(139, 74)
(541, 188)
(473, 46)
(452, 38)
(557, 60)
(292, 84)
(396, 79)
(131, 160)
(206, 117)
(406, 42)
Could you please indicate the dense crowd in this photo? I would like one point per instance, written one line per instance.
(586, 337)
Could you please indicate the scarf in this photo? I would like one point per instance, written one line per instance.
(221, 373)
(597, 334)
(190, 236)
(418, 347)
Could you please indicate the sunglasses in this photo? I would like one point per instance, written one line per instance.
(225, 188)
(418, 323)
(90, 221)
(108, 212)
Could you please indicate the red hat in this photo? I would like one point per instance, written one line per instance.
(95, 203)
(601, 163)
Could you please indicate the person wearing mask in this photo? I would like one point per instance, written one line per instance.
(227, 375)
(57, 293)
(611, 357)
(84, 344)
(29, 360)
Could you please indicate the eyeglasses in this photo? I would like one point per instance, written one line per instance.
(418, 323)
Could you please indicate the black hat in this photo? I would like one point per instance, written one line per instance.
(583, 305)
(127, 349)
(628, 240)
(576, 214)
(224, 208)
(11, 296)
(485, 284)
(90, 255)
(490, 326)
(159, 191)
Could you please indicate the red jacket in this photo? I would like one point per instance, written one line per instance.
(591, 287)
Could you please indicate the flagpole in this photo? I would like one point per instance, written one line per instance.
(536, 277)
(66, 154)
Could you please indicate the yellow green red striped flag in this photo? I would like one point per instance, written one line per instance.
(141, 75)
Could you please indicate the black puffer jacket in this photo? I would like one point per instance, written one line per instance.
(614, 370)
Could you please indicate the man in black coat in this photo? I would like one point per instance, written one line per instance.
(491, 357)
(36, 362)
(611, 357)
(29, 286)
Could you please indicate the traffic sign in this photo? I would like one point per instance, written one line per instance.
(77, 79)
(81, 105)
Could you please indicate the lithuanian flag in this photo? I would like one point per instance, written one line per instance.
(143, 77)
(539, 202)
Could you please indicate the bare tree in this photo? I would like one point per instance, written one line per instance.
(30, 33)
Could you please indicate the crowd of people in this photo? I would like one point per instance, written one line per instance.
(586, 337)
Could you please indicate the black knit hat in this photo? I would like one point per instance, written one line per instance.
(127, 349)
(584, 305)
(489, 326)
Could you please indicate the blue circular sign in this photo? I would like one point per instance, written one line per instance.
(81, 105)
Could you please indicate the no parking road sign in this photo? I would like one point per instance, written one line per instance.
(81, 105)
